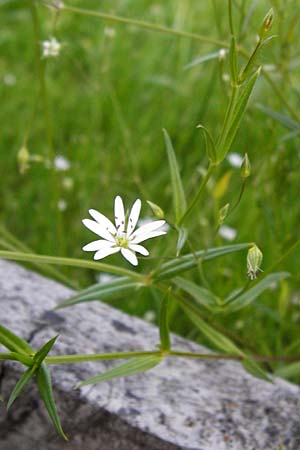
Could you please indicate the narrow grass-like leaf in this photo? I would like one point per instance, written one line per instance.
(177, 188)
(43, 352)
(46, 392)
(201, 295)
(235, 115)
(23, 381)
(186, 262)
(102, 292)
(251, 294)
(201, 59)
(218, 339)
(182, 237)
(255, 369)
(13, 342)
(164, 332)
(284, 120)
(132, 367)
(210, 147)
(289, 370)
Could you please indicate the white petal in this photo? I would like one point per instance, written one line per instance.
(98, 229)
(106, 252)
(134, 216)
(104, 221)
(119, 215)
(144, 237)
(139, 248)
(130, 256)
(149, 227)
(97, 245)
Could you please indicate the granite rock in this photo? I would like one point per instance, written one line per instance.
(180, 404)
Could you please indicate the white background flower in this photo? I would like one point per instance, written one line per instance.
(51, 48)
(121, 236)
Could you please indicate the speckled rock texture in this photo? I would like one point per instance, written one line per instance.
(181, 404)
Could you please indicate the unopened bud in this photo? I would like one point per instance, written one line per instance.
(254, 260)
(157, 211)
(223, 214)
(23, 158)
(267, 24)
(246, 167)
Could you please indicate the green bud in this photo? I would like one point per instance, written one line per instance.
(157, 211)
(23, 158)
(246, 167)
(254, 260)
(223, 213)
(267, 24)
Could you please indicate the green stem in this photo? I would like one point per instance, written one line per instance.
(230, 17)
(141, 24)
(69, 359)
(14, 244)
(73, 262)
(197, 197)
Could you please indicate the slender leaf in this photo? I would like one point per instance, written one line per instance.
(255, 369)
(201, 295)
(284, 120)
(13, 342)
(23, 381)
(43, 352)
(251, 294)
(103, 292)
(182, 237)
(289, 371)
(186, 262)
(219, 340)
(201, 59)
(177, 188)
(210, 147)
(46, 392)
(164, 324)
(235, 115)
(132, 367)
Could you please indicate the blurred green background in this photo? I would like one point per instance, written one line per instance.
(102, 104)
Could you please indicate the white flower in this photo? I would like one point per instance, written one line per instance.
(51, 48)
(235, 159)
(61, 163)
(121, 236)
(227, 233)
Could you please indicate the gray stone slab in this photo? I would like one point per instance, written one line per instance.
(181, 404)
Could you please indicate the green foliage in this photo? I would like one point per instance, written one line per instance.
(132, 367)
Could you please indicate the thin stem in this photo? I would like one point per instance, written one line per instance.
(69, 359)
(197, 197)
(140, 24)
(230, 17)
(73, 262)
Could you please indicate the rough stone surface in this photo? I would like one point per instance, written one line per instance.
(181, 404)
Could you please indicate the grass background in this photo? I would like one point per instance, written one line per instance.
(108, 95)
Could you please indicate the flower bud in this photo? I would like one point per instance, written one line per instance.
(246, 167)
(157, 211)
(23, 158)
(254, 260)
(223, 214)
(267, 24)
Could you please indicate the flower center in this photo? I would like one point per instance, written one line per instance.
(122, 240)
